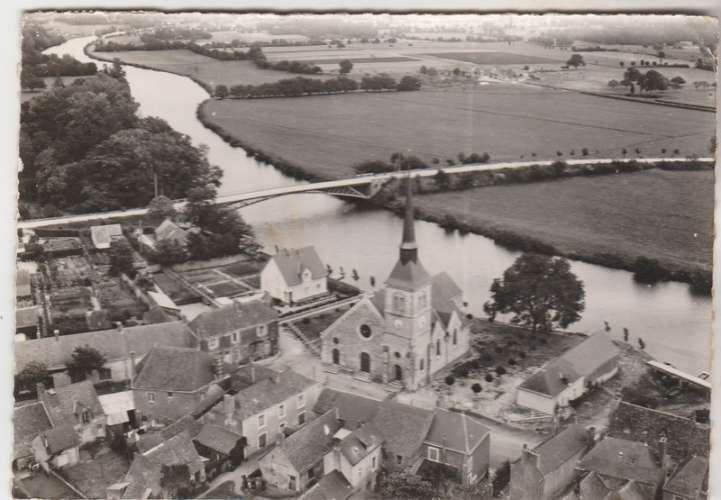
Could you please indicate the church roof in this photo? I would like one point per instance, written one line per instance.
(409, 276)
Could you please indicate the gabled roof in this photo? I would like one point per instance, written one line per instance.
(292, 262)
(684, 436)
(622, 459)
(233, 317)
(217, 438)
(690, 479)
(61, 438)
(402, 427)
(353, 410)
(64, 404)
(558, 449)
(169, 230)
(22, 283)
(270, 391)
(174, 369)
(27, 316)
(332, 486)
(445, 290)
(183, 424)
(581, 360)
(103, 235)
(456, 431)
(28, 422)
(309, 444)
(358, 444)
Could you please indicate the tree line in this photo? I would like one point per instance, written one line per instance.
(293, 87)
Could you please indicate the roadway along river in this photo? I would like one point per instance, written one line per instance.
(675, 325)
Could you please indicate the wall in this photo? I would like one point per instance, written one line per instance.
(165, 408)
(277, 470)
(481, 458)
(562, 477)
(535, 401)
(360, 474)
(526, 480)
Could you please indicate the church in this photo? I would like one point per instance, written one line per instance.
(405, 332)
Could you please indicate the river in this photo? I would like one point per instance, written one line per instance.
(675, 325)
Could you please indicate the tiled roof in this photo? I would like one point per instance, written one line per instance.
(456, 431)
(114, 344)
(268, 392)
(409, 276)
(62, 403)
(293, 261)
(217, 438)
(684, 436)
(622, 459)
(61, 438)
(232, 317)
(581, 360)
(556, 450)
(22, 283)
(309, 444)
(174, 369)
(445, 290)
(402, 427)
(357, 445)
(186, 423)
(332, 486)
(690, 479)
(168, 230)
(28, 422)
(353, 410)
(378, 299)
(27, 316)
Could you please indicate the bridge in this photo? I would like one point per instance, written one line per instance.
(361, 187)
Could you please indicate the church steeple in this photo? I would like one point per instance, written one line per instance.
(409, 248)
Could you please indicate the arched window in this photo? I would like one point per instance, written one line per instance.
(399, 302)
(365, 331)
(438, 347)
(455, 336)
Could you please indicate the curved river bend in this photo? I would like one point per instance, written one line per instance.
(675, 325)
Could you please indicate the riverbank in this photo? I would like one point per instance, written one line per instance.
(615, 247)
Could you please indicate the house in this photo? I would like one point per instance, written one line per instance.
(76, 405)
(294, 275)
(298, 459)
(352, 409)
(618, 468)
(571, 375)
(102, 236)
(403, 429)
(169, 230)
(29, 421)
(550, 468)
(239, 332)
(689, 481)
(221, 447)
(407, 331)
(144, 478)
(459, 441)
(332, 486)
(120, 410)
(172, 381)
(57, 447)
(357, 455)
(121, 347)
(27, 321)
(267, 409)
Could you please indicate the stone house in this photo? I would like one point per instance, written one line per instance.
(357, 455)
(571, 375)
(550, 468)
(29, 421)
(239, 332)
(403, 429)
(221, 447)
(268, 409)
(103, 236)
(57, 447)
(689, 481)
(405, 332)
(77, 405)
(294, 275)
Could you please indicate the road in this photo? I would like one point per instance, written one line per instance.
(361, 180)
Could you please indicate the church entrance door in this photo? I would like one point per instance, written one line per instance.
(365, 362)
(336, 357)
(398, 372)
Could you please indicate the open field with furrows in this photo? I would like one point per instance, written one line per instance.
(327, 135)
(659, 214)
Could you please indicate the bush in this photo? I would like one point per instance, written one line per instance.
(500, 371)
(648, 271)
(522, 355)
(450, 380)
(584, 151)
(512, 362)
(489, 377)
(476, 388)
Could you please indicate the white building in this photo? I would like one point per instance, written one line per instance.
(102, 236)
(294, 275)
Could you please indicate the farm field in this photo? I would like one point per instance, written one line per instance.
(660, 214)
(488, 57)
(327, 135)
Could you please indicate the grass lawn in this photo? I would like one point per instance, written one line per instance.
(327, 135)
(484, 57)
(660, 214)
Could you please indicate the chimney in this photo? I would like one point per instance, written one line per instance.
(252, 372)
(591, 435)
(132, 365)
(663, 453)
(218, 367)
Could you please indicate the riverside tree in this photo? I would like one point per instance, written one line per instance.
(345, 66)
(540, 292)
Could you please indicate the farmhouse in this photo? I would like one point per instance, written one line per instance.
(550, 468)
(571, 375)
(407, 331)
(76, 405)
(103, 236)
(57, 447)
(239, 332)
(294, 275)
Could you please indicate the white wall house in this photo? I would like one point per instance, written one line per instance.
(294, 275)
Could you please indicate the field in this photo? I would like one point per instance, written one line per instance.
(327, 135)
(660, 214)
(487, 57)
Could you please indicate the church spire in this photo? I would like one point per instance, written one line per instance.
(409, 248)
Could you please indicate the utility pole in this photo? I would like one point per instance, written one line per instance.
(155, 183)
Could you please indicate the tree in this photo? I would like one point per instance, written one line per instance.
(539, 291)
(175, 480)
(84, 360)
(345, 66)
(653, 80)
(160, 208)
(476, 388)
(442, 180)
(632, 75)
(678, 80)
(409, 83)
(221, 91)
(576, 60)
(406, 486)
(34, 373)
(501, 478)
(169, 252)
(648, 271)
(450, 380)
(121, 258)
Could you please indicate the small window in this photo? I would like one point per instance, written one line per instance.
(335, 340)
(235, 337)
(261, 421)
(281, 425)
(105, 374)
(438, 347)
(262, 440)
(85, 417)
(281, 410)
(373, 463)
(311, 473)
(399, 459)
(422, 365)
(433, 454)
(262, 330)
(301, 400)
(301, 418)
(397, 355)
(455, 336)
(151, 397)
(213, 343)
